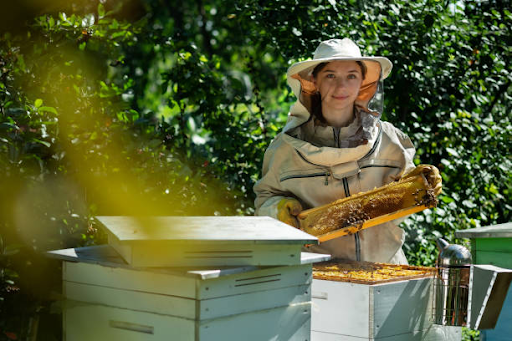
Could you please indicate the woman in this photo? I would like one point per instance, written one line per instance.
(334, 145)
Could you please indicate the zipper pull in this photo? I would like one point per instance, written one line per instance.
(327, 174)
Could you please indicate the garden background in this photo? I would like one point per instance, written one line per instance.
(161, 107)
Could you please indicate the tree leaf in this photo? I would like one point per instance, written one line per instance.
(101, 10)
(44, 143)
(452, 151)
(48, 109)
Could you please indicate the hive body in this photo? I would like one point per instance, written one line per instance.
(369, 301)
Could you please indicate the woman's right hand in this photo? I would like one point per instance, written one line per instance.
(287, 211)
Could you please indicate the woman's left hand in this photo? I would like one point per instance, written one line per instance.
(431, 174)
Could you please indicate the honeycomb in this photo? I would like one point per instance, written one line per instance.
(367, 272)
(410, 191)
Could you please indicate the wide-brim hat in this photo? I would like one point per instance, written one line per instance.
(299, 75)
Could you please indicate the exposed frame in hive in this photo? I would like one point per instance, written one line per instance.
(368, 273)
(370, 223)
(346, 216)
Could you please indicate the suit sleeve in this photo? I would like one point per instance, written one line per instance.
(268, 189)
(409, 151)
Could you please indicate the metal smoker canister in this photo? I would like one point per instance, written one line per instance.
(451, 284)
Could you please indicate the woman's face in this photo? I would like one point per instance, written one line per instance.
(338, 84)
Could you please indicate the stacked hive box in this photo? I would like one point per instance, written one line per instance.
(493, 245)
(110, 298)
(369, 301)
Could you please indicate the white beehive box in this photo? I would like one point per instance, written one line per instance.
(205, 241)
(109, 300)
(397, 311)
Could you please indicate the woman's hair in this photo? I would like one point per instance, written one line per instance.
(316, 102)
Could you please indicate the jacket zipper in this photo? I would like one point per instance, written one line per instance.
(356, 235)
(326, 174)
(380, 166)
(336, 132)
(377, 142)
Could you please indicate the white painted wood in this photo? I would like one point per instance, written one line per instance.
(96, 322)
(128, 299)
(389, 311)
(184, 286)
(254, 301)
(205, 229)
(107, 256)
(126, 303)
(127, 279)
(160, 254)
(442, 333)
(434, 333)
(97, 254)
(489, 288)
(309, 257)
(124, 250)
(260, 280)
(322, 336)
(340, 308)
(284, 323)
(493, 231)
(205, 241)
(400, 307)
(186, 307)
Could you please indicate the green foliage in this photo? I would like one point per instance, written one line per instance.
(135, 107)
(453, 98)
(470, 335)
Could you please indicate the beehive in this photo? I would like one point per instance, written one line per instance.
(493, 245)
(372, 301)
(107, 299)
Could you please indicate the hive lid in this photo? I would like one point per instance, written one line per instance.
(489, 287)
(105, 255)
(205, 241)
(207, 229)
(493, 231)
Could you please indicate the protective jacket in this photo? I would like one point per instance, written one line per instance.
(314, 163)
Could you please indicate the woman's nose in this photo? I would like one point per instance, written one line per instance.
(340, 82)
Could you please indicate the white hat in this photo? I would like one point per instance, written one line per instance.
(377, 68)
(338, 49)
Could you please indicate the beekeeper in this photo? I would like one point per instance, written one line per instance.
(334, 145)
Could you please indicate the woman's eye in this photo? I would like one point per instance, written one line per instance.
(330, 75)
(352, 76)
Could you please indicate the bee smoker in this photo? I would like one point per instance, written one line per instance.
(451, 284)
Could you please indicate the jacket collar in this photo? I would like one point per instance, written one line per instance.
(319, 134)
(332, 156)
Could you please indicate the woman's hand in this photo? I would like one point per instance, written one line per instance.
(431, 174)
(288, 210)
